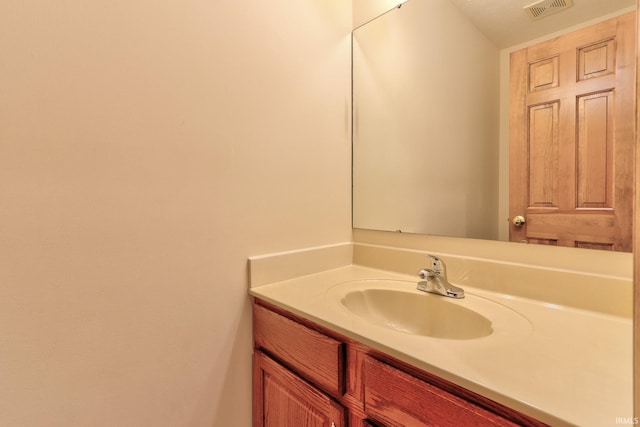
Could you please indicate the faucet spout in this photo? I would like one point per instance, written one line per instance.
(435, 280)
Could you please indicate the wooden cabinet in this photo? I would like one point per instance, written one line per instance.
(312, 354)
(281, 398)
(307, 376)
(399, 399)
(284, 398)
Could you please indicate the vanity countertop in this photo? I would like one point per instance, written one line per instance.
(572, 367)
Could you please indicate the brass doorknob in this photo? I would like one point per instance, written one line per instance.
(518, 221)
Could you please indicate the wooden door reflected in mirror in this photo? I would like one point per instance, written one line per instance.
(572, 138)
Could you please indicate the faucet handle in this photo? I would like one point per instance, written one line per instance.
(437, 265)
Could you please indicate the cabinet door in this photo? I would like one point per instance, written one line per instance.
(282, 399)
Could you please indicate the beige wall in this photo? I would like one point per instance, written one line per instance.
(147, 149)
(365, 10)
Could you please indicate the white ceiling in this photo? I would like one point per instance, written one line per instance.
(507, 24)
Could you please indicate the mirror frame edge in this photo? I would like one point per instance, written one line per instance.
(636, 239)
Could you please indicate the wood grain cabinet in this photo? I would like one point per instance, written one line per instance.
(307, 376)
(284, 398)
(287, 400)
(400, 399)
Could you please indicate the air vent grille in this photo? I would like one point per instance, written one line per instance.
(543, 8)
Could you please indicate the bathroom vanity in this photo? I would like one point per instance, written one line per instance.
(361, 346)
(307, 375)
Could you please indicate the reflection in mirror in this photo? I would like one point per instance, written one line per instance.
(431, 110)
(426, 100)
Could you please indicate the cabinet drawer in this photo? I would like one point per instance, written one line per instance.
(310, 353)
(396, 398)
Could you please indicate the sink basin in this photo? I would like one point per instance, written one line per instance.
(397, 306)
(425, 314)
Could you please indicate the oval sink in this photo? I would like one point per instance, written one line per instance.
(425, 314)
(397, 305)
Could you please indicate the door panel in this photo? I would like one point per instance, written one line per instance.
(543, 155)
(595, 151)
(572, 133)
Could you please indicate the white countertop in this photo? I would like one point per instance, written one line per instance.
(567, 367)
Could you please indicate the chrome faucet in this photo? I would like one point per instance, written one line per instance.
(435, 279)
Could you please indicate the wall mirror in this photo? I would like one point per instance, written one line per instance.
(431, 111)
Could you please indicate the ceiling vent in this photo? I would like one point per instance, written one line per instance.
(543, 8)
